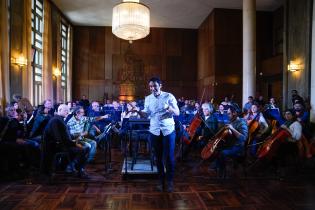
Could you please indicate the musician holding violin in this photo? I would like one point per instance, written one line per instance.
(131, 112)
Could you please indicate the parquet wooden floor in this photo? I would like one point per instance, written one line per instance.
(195, 188)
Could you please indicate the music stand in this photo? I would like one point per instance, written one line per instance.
(107, 146)
(130, 125)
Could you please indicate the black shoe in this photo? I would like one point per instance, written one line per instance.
(213, 166)
(70, 169)
(221, 173)
(92, 162)
(82, 174)
(170, 187)
(160, 188)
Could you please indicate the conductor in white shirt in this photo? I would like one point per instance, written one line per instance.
(160, 107)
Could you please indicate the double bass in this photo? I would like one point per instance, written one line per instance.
(209, 150)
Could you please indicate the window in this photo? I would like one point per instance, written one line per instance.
(37, 46)
(64, 60)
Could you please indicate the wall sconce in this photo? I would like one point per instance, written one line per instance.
(20, 61)
(294, 67)
(57, 72)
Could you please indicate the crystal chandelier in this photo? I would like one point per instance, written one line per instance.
(131, 20)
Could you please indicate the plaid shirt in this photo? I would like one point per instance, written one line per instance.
(77, 126)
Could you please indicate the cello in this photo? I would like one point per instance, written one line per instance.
(195, 123)
(191, 130)
(272, 142)
(209, 150)
(253, 127)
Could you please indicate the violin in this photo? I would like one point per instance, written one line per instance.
(209, 150)
(272, 142)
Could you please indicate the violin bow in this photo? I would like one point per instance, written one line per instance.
(203, 93)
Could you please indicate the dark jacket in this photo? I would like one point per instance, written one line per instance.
(210, 127)
(40, 123)
(56, 133)
(14, 129)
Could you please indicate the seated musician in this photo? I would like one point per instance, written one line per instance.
(14, 104)
(186, 109)
(196, 108)
(25, 105)
(78, 127)
(210, 124)
(256, 134)
(57, 139)
(84, 102)
(296, 97)
(272, 104)
(289, 143)
(44, 114)
(115, 112)
(302, 115)
(249, 104)
(235, 142)
(130, 112)
(12, 141)
(226, 103)
(222, 116)
(293, 126)
(96, 127)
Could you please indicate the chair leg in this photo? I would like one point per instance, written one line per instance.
(52, 170)
(134, 155)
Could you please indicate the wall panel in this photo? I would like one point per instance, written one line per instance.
(107, 66)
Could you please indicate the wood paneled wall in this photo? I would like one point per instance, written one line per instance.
(298, 16)
(104, 65)
(220, 51)
(16, 45)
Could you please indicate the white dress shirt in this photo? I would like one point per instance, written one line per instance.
(296, 131)
(160, 118)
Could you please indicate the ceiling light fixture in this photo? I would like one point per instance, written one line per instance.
(131, 20)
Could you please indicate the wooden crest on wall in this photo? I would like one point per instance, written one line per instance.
(131, 76)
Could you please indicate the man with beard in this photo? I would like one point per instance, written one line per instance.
(233, 145)
(160, 106)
